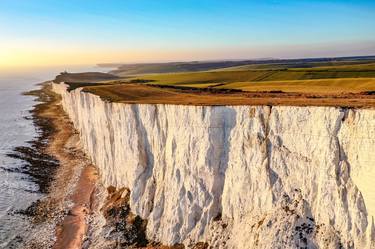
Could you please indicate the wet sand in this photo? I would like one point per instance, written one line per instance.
(71, 233)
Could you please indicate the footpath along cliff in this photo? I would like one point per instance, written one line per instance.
(235, 176)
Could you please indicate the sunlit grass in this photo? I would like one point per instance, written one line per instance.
(308, 86)
(342, 78)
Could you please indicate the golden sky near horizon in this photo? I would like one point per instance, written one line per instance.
(51, 54)
(42, 53)
(20, 54)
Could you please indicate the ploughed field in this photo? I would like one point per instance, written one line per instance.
(342, 82)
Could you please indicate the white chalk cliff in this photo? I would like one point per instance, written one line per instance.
(237, 176)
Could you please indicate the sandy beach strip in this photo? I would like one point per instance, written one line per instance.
(69, 198)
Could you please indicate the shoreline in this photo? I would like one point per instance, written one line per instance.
(61, 215)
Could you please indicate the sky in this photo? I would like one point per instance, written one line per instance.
(60, 32)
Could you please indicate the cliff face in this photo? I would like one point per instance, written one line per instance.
(236, 176)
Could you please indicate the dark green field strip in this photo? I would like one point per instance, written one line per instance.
(218, 77)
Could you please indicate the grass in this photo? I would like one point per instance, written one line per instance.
(197, 66)
(355, 65)
(347, 85)
(146, 94)
(301, 80)
(88, 77)
(344, 83)
(136, 93)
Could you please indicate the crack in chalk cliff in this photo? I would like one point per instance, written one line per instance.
(343, 178)
(204, 112)
(111, 132)
(217, 159)
(146, 158)
(162, 134)
(342, 166)
(268, 147)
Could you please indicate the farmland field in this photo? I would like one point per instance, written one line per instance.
(334, 83)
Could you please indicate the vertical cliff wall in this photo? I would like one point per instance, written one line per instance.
(236, 176)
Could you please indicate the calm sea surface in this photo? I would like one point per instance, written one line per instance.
(17, 190)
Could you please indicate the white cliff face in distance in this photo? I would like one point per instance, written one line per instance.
(237, 176)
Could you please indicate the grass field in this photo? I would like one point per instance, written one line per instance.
(331, 86)
(144, 94)
(88, 77)
(350, 65)
(197, 66)
(343, 78)
(314, 77)
(344, 83)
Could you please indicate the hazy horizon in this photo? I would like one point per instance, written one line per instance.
(40, 33)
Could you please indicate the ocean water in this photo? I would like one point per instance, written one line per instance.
(18, 189)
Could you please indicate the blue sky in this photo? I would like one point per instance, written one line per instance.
(137, 30)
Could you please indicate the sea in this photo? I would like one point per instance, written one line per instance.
(18, 189)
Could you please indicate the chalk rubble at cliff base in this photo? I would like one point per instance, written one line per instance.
(236, 176)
